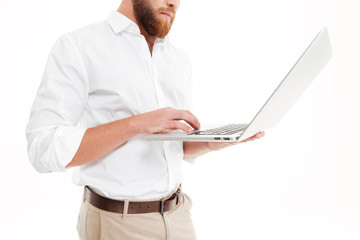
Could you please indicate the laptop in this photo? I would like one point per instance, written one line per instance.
(305, 70)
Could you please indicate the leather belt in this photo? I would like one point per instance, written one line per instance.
(117, 206)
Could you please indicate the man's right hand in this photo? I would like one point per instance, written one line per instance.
(164, 119)
(101, 140)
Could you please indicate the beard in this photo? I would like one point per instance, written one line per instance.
(149, 19)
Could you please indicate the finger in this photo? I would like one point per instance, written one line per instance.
(247, 140)
(188, 117)
(254, 137)
(260, 134)
(257, 136)
(233, 143)
(197, 124)
(193, 121)
(173, 125)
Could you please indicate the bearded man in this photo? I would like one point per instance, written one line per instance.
(102, 86)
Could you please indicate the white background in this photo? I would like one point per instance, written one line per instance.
(302, 181)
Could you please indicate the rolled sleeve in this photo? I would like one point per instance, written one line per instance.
(53, 133)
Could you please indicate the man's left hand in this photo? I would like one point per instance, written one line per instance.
(214, 146)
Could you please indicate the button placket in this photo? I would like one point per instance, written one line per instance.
(160, 95)
(162, 103)
(150, 66)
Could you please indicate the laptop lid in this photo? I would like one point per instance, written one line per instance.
(305, 70)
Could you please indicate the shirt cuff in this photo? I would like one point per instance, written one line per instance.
(67, 142)
(52, 149)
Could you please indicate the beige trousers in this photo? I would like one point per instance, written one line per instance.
(96, 224)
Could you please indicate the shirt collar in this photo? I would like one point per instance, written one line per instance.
(119, 22)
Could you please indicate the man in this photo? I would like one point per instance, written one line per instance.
(103, 85)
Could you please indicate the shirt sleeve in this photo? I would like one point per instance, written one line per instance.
(52, 132)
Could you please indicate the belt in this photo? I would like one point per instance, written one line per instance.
(111, 205)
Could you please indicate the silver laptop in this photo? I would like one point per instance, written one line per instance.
(305, 70)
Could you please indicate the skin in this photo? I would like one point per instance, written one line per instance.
(103, 139)
(126, 8)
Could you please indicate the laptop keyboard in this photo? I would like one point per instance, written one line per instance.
(224, 130)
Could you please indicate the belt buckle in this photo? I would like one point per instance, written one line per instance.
(178, 196)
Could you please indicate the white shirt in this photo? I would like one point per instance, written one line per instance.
(99, 74)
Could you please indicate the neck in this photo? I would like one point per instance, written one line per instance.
(127, 10)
